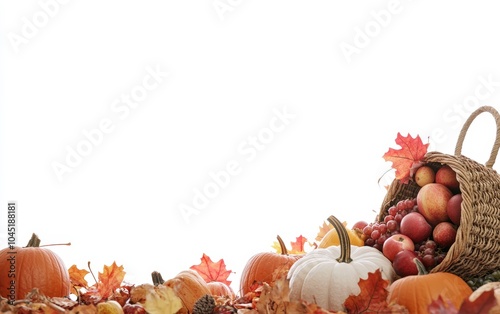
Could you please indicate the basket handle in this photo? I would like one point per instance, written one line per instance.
(463, 132)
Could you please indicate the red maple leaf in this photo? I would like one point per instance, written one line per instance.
(482, 305)
(440, 306)
(109, 280)
(211, 271)
(373, 297)
(408, 158)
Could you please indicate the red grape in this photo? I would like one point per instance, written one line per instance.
(375, 234)
(429, 261)
(392, 225)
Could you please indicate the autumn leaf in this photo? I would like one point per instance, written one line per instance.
(409, 157)
(373, 297)
(211, 271)
(275, 299)
(277, 247)
(484, 304)
(77, 277)
(440, 306)
(323, 230)
(109, 280)
(313, 308)
(298, 245)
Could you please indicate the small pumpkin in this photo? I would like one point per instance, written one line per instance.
(495, 286)
(332, 238)
(109, 307)
(188, 285)
(328, 276)
(32, 266)
(220, 289)
(417, 292)
(262, 266)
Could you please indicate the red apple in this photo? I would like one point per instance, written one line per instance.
(444, 234)
(135, 308)
(359, 225)
(358, 229)
(454, 208)
(424, 175)
(395, 244)
(432, 199)
(415, 226)
(403, 263)
(447, 177)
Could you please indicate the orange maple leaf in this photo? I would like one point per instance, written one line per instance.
(323, 230)
(110, 279)
(211, 271)
(77, 277)
(298, 245)
(373, 296)
(408, 158)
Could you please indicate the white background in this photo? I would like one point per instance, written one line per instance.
(414, 67)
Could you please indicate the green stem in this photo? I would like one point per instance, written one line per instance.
(284, 251)
(420, 267)
(345, 243)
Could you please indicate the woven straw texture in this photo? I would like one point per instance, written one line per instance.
(476, 251)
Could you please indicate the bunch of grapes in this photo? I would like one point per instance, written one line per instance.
(477, 282)
(430, 254)
(376, 233)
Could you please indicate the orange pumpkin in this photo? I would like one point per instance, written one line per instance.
(220, 289)
(262, 266)
(189, 286)
(418, 291)
(24, 268)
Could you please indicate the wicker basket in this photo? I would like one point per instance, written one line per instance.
(476, 251)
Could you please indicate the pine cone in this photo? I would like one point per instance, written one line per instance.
(204, 305)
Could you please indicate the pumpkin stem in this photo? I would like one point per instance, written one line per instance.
(284, 251)
(157, 278)
(34, 241)
(91, 272)
(345, 243)
(55, 244)
(420, 267)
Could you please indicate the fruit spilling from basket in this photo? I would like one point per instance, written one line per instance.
(424, 226)
(434, 247)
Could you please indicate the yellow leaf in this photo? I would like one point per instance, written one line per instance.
(323, 230)
(276, 246)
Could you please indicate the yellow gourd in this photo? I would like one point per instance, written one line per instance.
(332, 238)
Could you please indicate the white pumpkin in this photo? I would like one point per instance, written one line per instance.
(328, 276)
